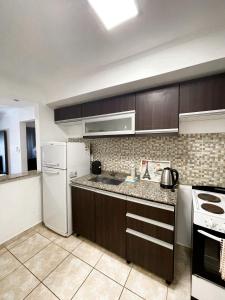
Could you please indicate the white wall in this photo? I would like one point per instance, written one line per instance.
(168, 63)
(46, 129)
(20, 203)
(49, 131)
(23, 146)
(72, 130)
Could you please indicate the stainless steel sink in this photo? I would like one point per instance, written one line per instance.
(107, 180)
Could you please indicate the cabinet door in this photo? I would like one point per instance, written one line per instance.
(157, 109)
(83, 212)
(151, 256)
(111, 223)
(109, 105)
(203, 94)
(68, 113)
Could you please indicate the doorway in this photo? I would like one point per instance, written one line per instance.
(4, 170)
(31, 146)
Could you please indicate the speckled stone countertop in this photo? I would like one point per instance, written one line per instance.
(19, 176)
(141, 189)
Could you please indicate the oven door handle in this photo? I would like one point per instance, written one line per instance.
(210, 235)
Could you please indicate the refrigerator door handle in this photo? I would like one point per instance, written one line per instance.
(48, 164)
(51, 172)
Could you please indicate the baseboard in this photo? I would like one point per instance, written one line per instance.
(19, 233)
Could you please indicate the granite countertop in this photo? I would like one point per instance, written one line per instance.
(141, 189)
(7, 178)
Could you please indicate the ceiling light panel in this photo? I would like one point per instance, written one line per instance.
(114, 12)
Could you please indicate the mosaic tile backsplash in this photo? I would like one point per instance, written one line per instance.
(199, 158)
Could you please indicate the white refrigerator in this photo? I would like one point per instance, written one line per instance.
(60, 163)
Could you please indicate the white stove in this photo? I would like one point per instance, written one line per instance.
(209, 209)
(208, 232)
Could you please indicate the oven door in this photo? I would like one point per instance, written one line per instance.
(206, 254)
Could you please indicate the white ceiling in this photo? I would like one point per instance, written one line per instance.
(46, 43)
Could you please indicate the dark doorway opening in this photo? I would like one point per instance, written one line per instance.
(3, 153)
(31, 146)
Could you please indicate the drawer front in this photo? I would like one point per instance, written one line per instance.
(156, 231)
(151, 256)
(151, 212)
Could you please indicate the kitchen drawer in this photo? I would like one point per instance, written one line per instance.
(151, 256)
(160, 231)
(162, 213)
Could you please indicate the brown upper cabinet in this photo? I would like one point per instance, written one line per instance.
(157, 110)
(68, 113)
(203, 94)
(109, 105)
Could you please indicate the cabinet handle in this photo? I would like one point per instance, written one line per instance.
(149, 238)
(151, 203)
(157, 131)
(150, 221)
(213, 237)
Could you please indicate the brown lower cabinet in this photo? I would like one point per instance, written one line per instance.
(83, 213)
(142, 232)
(153, 257)
(111, 223)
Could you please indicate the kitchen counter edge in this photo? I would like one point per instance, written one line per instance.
(154, 196)
(19, 176)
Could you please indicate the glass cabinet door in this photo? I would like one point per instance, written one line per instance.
(115, 124)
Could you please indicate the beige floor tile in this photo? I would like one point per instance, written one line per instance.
(49, 234)
(41, 293)
(8, 263)
(146, 285)
(98, 286)
(65, 280)
(30, 247)
(17, 285)
(128, 295)
(88, 252)
(68, 243)
(178, 294)
(181, 284)
(46, 260)
(19, 239)
(2, 250)
(182, 254)
(114, 267)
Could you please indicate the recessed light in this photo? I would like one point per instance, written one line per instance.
(114, 12)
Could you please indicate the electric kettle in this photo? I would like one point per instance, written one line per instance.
(169, 178)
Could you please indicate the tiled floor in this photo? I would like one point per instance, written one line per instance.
(39, 264)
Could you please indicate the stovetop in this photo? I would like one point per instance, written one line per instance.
(209, 207)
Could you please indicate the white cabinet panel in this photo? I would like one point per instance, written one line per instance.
(112, 124)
